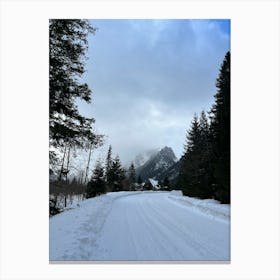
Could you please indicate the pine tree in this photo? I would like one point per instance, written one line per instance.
(166, 184)
(96, 185)
(220, 133)
(204, 126)
(108, 170)
(205, 170)
(117, 174)
(190, 164)
(67, 47)
(196, 173)
(139, 180)
(131, 177)
(193, 136)
(205, 165)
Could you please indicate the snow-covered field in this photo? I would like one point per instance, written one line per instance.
(142, 226)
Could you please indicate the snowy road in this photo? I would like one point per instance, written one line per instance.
(152, 227)
(145, 227)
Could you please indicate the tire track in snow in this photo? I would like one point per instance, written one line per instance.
(156, 237)
(130, 227)
(151, 227)
(184, 235)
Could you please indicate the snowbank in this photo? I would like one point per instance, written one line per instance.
(72, 201)
(209, 207)
(73, 233)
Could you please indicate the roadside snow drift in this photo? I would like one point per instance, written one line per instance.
(209, 207)
(142, 226)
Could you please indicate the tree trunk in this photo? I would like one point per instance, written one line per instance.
(68, 159)
(62, 165)
(89, 156)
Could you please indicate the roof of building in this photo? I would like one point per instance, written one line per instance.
(154, 183)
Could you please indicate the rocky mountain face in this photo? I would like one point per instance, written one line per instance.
(159, 165)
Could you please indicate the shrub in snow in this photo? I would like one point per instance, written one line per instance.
(97, 183)
(53, 206)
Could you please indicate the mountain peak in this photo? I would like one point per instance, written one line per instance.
(168, 152)
(157, 164)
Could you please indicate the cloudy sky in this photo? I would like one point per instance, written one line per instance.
(149, 77)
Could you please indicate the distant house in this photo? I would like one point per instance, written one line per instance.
(151, 184)
(139, 186)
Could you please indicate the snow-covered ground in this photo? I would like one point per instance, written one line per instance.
(142, 226)
(72, 201)
(209, 207)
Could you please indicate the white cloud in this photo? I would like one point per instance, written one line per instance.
(149, 77)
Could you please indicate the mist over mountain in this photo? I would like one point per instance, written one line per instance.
(157, 165)
(142, 158)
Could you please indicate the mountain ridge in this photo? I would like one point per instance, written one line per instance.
(157, 165)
